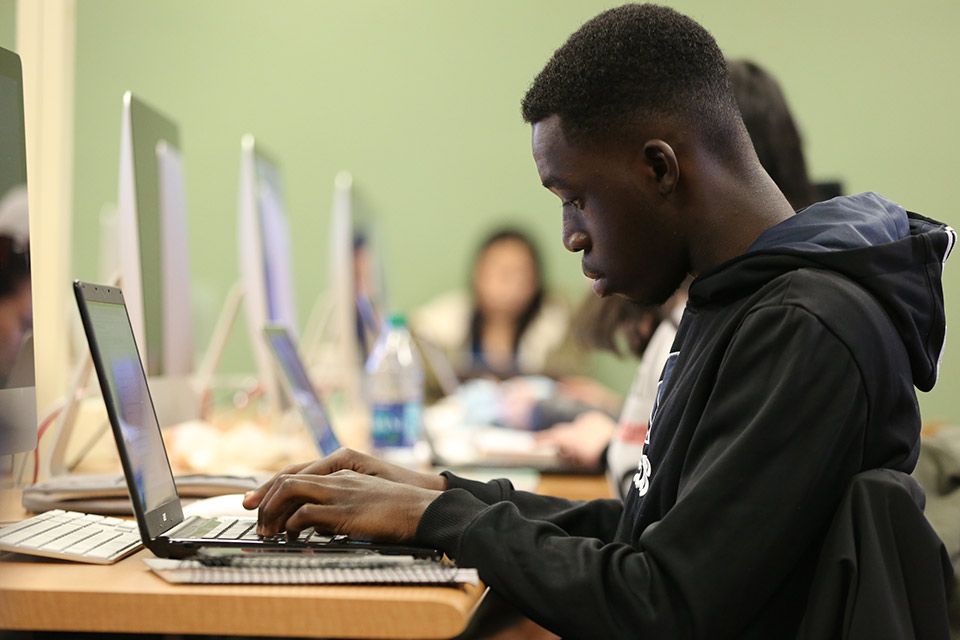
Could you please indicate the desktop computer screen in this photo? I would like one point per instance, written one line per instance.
(275, 244)
(18, 402)
(152, 230)
(346, 321)
(176, 327)
(265, 260)
(153, 256)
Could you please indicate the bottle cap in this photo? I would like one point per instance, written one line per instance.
(397, 320)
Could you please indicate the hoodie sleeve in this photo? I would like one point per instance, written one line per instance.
(597, 518)
(762, 479)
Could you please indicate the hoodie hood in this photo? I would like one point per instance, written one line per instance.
(895, 255)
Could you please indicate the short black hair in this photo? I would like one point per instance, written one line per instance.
(630, 63)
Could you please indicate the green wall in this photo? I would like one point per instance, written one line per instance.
(420, 100)
(8, 24)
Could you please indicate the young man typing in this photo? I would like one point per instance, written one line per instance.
(793, 369)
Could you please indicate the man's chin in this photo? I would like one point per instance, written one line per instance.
(646, 298)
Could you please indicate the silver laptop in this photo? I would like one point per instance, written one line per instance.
(146, 467)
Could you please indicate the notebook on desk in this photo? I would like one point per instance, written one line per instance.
(146, 468)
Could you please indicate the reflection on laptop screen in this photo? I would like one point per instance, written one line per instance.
(132, 405)
(302, 391)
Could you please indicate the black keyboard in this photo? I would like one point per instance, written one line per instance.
(197, 528)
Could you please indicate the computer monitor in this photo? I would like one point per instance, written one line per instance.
(18, 398)
(333, 341)
(153, 254)
(266, 268)
(346, 320)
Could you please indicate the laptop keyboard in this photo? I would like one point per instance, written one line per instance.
(198, 528)
(71, 535)
(83, 537)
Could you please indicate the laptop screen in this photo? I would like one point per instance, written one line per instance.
(132, 405)
(304, 395)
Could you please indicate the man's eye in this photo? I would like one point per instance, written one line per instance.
(573, 203)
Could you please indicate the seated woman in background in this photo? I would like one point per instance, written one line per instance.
(507, 325)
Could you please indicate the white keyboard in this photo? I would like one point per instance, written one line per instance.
(70, 535)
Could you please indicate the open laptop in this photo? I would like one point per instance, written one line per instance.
(301, 389)
(146, 467)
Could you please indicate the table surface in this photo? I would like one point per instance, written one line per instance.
(49, 595)
(574, 487)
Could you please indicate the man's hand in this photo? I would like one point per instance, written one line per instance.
(347, 459)
(363, 507)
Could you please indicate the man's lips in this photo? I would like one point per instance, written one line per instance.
(593, 275)
(599, 281)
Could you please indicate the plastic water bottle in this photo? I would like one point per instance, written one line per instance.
(395, 392)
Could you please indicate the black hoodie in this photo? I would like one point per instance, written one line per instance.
(793, 369)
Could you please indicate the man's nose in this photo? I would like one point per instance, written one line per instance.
(574, 239)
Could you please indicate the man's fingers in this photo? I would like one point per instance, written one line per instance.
(288, 495)
(307, 474)
(252, 499)
(310, 515)
(277, 482)
(339, 459)
(285, 483)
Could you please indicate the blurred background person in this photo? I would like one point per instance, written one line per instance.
(775, 135)
(506, 324)
(591, 438)
(16, 315)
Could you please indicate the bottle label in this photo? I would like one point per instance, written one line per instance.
(396, 424)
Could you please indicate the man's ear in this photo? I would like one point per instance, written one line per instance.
(660, 157)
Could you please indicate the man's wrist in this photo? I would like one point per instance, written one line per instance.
(438, 482)
(446, 518)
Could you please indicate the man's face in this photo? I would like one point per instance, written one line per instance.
(631, 238)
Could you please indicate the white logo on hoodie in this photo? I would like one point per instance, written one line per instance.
(641, 479)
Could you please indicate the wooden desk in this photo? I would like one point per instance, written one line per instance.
(574, 487)
(49, 595)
